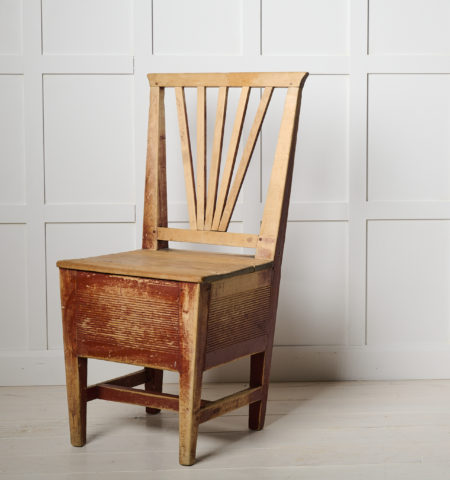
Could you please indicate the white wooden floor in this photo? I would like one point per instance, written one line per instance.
(345, 430)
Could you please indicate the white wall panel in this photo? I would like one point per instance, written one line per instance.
(409, 26)
(409, 145)
(87, 26)
(313, 293)
(88, 139)
(197, 27)
(10, 27)
(408, 282)
(75, 241)
(13, 287)
(321, 168)
(365, 284)
(12, 160)
(305, 27)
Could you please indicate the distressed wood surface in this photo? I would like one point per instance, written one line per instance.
(245, 160)
(155, 199)
(229, 403)
(209, 237)
(167, 264)
(155, 400)
(76, 367)
(216, 156)
(193, 328)
(186, 311)
(186, 155)
(153, 383)
(231, 156)
(201, 157)
(249, 79)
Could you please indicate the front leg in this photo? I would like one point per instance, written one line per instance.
(194, 300)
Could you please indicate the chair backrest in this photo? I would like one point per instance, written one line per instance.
(210, 202)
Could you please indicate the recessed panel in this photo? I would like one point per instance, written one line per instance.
(312, 308)
(87, 26)
(12, 161)
(409, 144)
(10, 27)
(305, 27)
(321, 161)
(408, 282)
(409, 27)
(78, 240)
(197, 27)
(88, 139)
(13, 287)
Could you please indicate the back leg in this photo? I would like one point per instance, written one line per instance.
(154, 381)
(259, 376)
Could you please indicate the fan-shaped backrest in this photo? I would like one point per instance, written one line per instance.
(210, 203)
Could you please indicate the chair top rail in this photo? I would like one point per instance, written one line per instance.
(260, 79)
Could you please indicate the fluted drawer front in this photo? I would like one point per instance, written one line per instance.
(121, 316)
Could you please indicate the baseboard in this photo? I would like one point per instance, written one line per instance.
(290, 363)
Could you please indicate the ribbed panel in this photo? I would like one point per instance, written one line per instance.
(127, 315)
(237, 318)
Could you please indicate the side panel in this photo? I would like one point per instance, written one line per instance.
(239, 317)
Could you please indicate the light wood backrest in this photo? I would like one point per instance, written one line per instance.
(211, 202)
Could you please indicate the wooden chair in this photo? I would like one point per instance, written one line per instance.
(186, 311)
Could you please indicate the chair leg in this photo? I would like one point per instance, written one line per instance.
(194, 300)
(190, 398)
(259, 376)
(154, 383)
(76, 381)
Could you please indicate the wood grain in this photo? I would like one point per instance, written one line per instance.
(186, 155)
(216, 155)
(245, 160)
(201, 157)
(155, 199)
(168, 264)
(259, 79)
(231, 156)
(76, 367)
(193, 311)
(229, 403)
(181, 310)
(209, 237)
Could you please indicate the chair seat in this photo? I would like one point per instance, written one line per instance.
(170, 264)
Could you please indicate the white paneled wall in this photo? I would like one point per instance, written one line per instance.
(366, 279)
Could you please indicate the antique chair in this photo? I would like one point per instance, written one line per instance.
(180, 310)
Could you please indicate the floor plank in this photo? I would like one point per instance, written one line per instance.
(352, 430)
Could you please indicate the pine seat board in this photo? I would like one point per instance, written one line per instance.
(169, 264)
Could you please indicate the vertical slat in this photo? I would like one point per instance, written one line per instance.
(187, 155)
(201, 156)
(275, 210)
(245, 161)
(216, 156)
(155, 201)
(231, 156)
